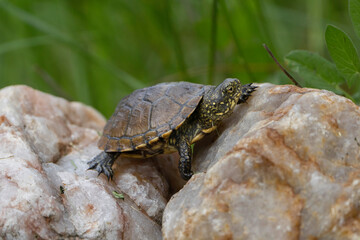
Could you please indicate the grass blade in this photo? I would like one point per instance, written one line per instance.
(211, 64)
(177, 43)
(314, 13)
(62, 37)
(23, 43)
(236, 40)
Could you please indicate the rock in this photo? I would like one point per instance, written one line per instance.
(168, 166)
(45, 190)
(286, 165)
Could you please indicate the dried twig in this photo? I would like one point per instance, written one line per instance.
(282, 68)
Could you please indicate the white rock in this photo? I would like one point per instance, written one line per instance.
(45, 143)
(281, 167)
(285, 165)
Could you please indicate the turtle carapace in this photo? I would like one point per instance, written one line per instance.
(165, 118)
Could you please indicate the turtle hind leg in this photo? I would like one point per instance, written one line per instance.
(103, 162)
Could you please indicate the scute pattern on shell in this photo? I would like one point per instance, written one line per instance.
(149, 113)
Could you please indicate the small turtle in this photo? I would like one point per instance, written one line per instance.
(165, 118)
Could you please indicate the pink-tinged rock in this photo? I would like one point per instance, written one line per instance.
(285, 165)
(45, 143)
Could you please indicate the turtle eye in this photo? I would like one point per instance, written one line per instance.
(230, 89)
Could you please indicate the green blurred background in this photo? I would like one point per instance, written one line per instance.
(97, 52)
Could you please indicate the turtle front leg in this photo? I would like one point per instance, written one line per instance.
(185, 159)
(246, 91)
(103, 162)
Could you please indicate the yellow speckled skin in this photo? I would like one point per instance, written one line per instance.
(217, 104)
(199, 110)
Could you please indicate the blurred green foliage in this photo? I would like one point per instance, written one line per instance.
(342, 76)
(96, 52)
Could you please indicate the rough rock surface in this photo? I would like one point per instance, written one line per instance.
(45, 190)
(286, 165)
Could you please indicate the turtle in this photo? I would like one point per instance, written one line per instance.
(166, 118)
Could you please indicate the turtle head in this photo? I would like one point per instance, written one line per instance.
(220, 101)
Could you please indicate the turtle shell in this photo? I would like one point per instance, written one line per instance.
(150, 114)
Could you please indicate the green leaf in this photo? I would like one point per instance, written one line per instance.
(354, 9)
(354, 79)
(118, 195)
(73, 163)
(343, 52)
(315, 70)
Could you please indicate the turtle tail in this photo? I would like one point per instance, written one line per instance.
(103, 162)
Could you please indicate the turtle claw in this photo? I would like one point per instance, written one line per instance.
(186, 175)
(108, 172)
(102, 163)
(246, 91)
